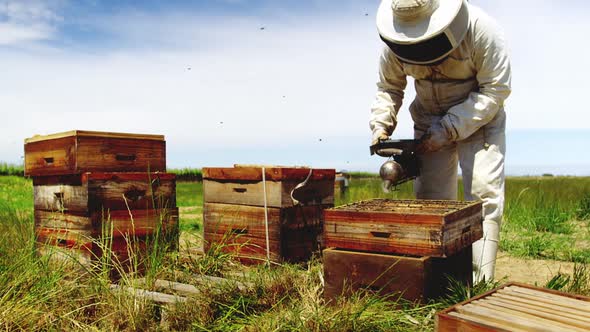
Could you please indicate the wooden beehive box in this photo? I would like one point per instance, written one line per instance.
(243, 185)
(78, 151)
(79, 213)
(234, 211)
(416, 279)
(294, 233)
(518, 307)
(407, 227)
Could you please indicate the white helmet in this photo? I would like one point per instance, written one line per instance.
(422, 31)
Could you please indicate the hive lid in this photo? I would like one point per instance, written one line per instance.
(87, 133)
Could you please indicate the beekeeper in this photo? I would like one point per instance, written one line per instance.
(458, 59)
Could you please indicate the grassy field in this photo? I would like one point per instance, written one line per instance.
(545, 218)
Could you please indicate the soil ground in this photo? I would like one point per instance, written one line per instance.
(528, 270)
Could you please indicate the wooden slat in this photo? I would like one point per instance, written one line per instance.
(139, 222)
(148, 295)
(107, 191)
(574, 301)
(556, 315)
(467, 323)
(243, 247)
(54, 157)
(110, 155)
(553, 307)
(278, 194)
(38, 138)
(416, 278)
(47, 219)
(518, 306)
(272, 173)
(61, 198)
(519, 320)
(532, 315)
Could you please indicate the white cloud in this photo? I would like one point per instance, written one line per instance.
(298, 80)
(26, 21)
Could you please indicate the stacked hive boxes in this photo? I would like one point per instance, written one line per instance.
(246, 205)
(409, 247)
(101, 192)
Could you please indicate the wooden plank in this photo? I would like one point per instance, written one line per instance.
(468, 323)
(534, 296)
(363, 217)
(346, 272)
(48, 219)
(552, 307)
(272, 173)
(521, 321)
(107, 191)
(120, 155)
(61, 198)
(552, 321)
(579, 301)
(38, 138)
(461, 233)
(252, 193)
(383, 238)
(557, 315)
(71, 239)
(521, 305)
(52, 157)
(148, 295)
(138, 222)
(414, 278)
(243, 247)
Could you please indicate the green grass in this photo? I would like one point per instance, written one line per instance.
(545, 218)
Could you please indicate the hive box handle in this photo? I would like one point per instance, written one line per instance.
(125, 157)
(240, 190)
(48, 160)
(383, 235)
(239, 231)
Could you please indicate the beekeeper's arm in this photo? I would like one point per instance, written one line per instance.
(493, 74)
(390, 92)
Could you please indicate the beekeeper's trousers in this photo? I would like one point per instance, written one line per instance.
(481, 158)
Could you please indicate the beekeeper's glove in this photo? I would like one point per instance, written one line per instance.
(379, 136)
(436, 138)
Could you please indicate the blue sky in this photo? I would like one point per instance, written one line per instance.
(223, 90)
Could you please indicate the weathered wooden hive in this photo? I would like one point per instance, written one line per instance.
(100, 195)
(518, 307)
(411, 247)
(236, 213)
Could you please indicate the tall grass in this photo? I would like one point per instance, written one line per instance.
(40, 295)
(11, 169)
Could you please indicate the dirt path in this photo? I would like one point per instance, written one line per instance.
(530, 271)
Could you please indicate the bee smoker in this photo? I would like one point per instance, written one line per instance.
(402, 164)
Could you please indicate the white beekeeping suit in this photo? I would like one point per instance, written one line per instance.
(457, 56)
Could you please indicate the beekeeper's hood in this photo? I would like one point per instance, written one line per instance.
(422, 31)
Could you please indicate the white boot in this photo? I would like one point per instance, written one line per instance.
(484, 259)
(484, 252)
